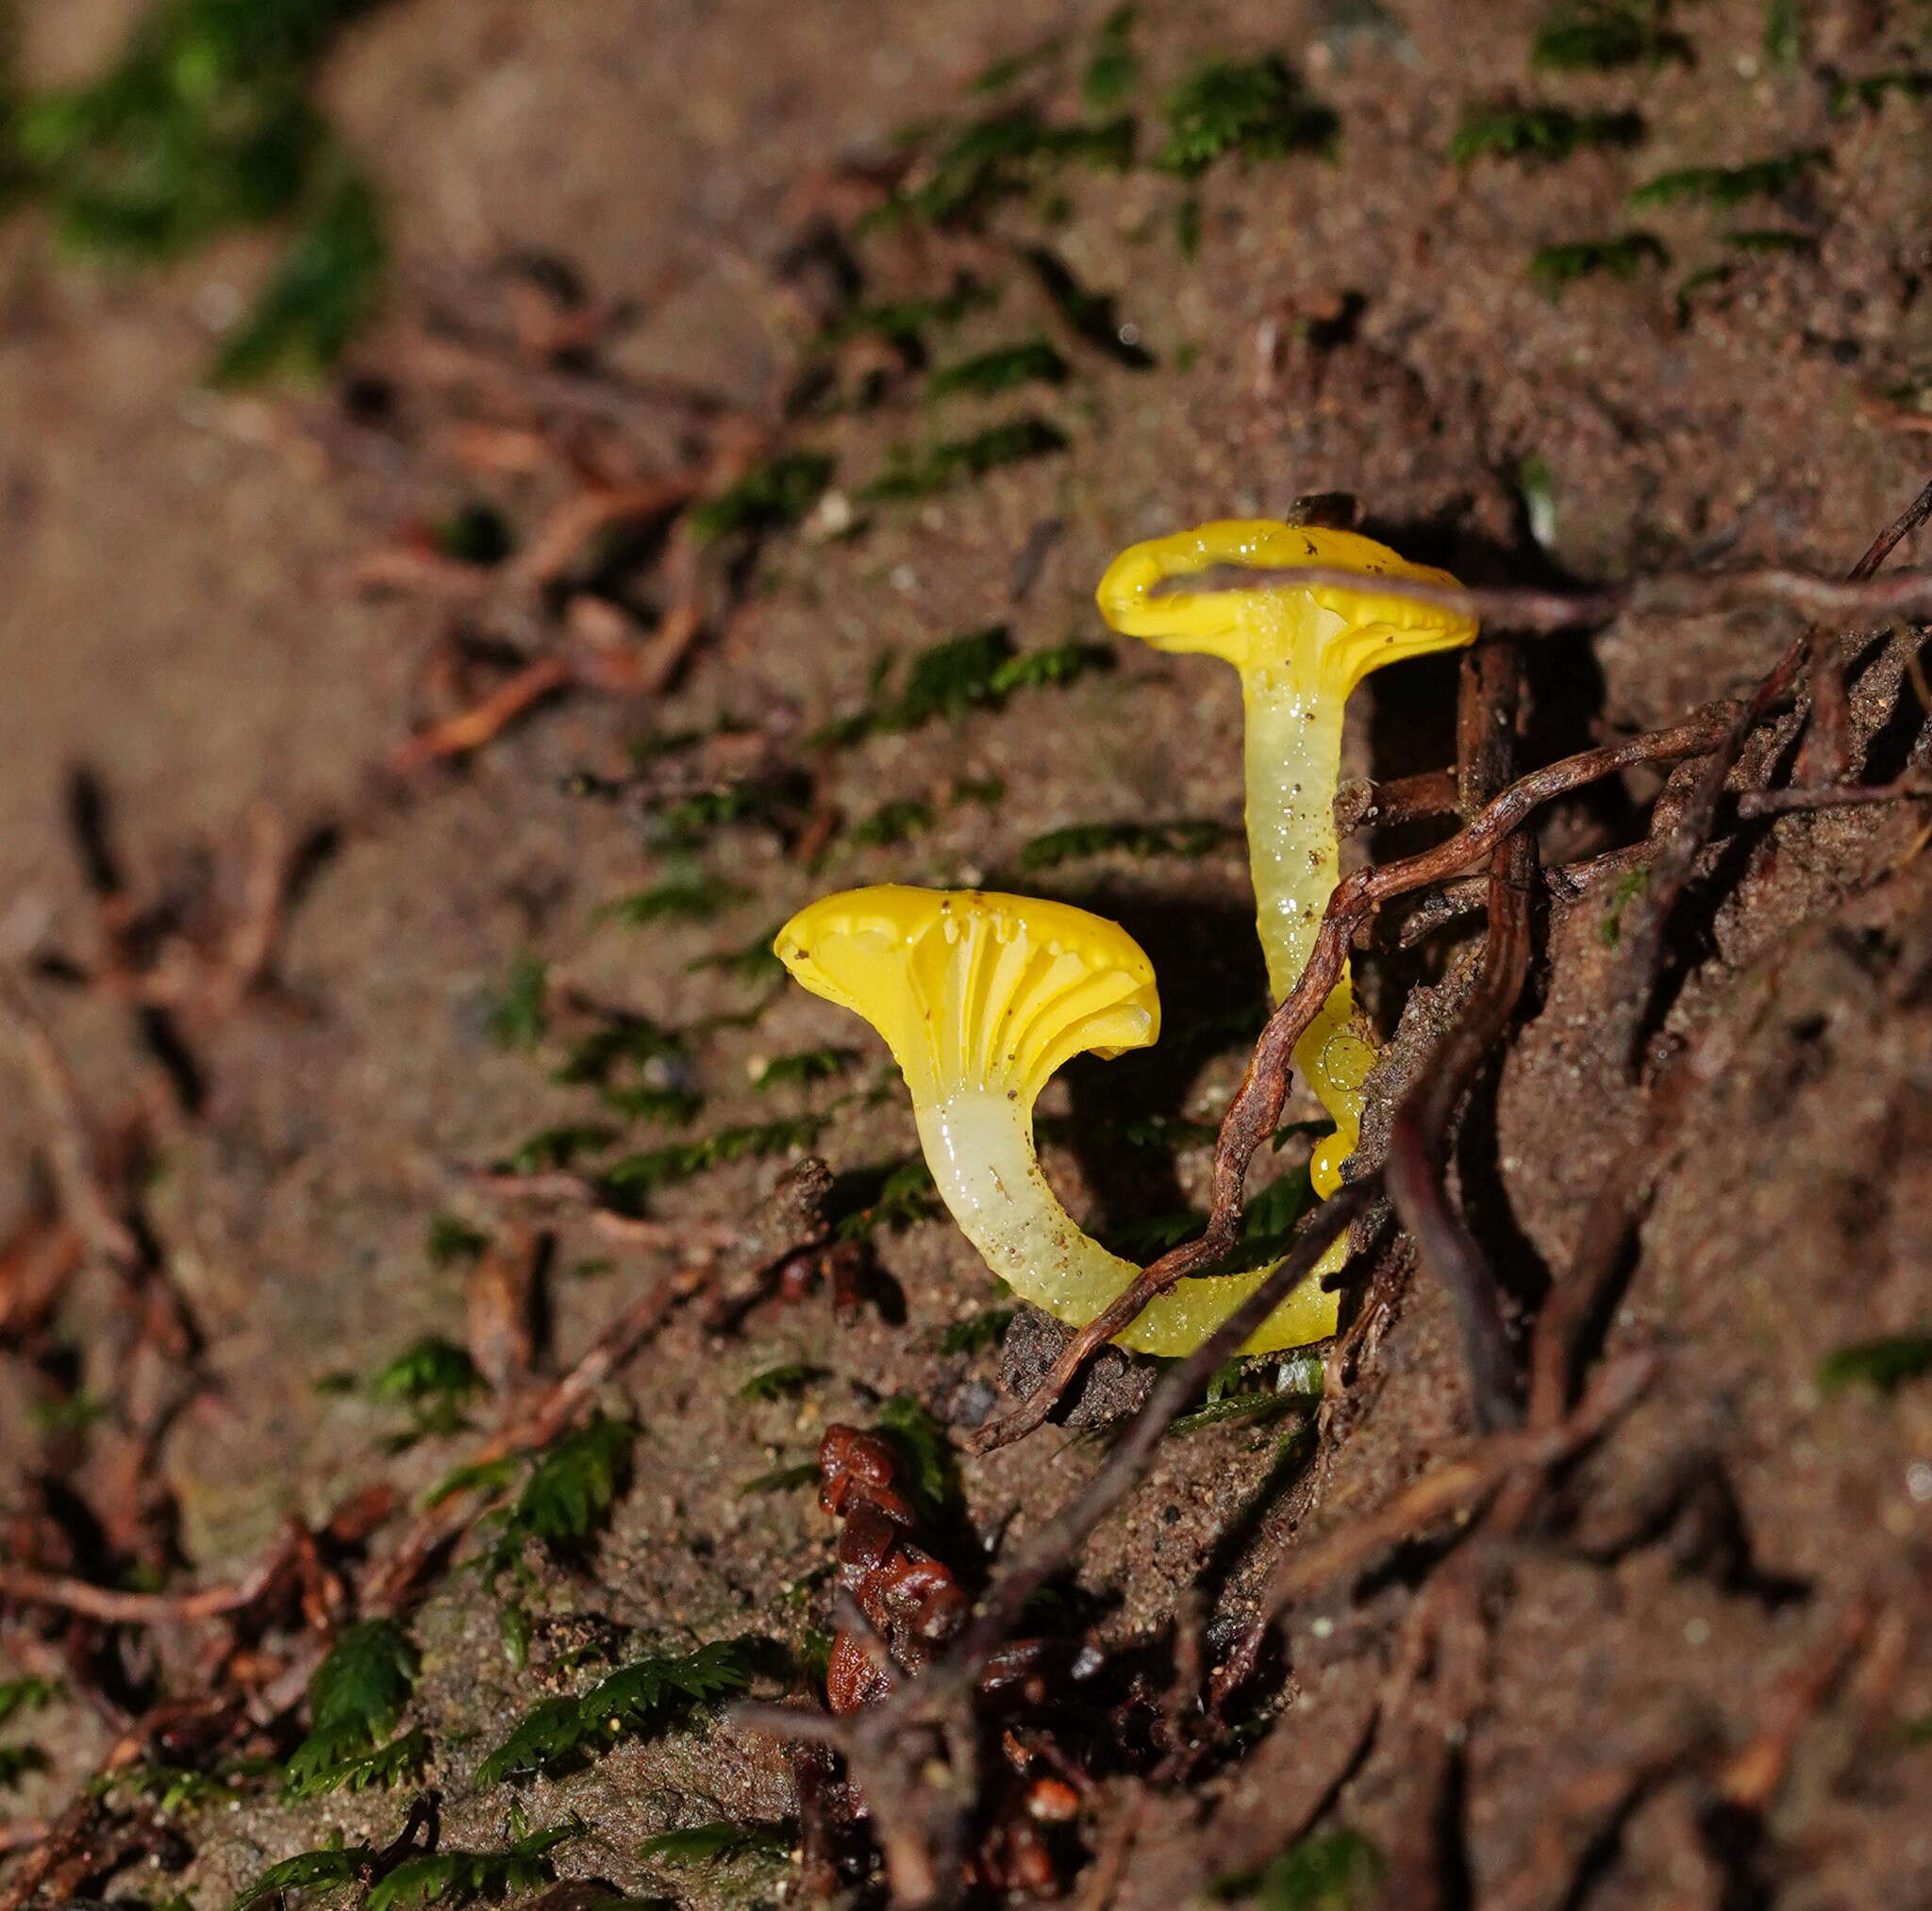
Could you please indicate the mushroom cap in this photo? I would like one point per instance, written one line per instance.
(1344, 631)
(973, 990)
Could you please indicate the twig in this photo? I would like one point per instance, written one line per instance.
(1533, 610)
(251, 940)
(559, 1187)
(1832, 796)
(1110, 1864)
(1404, 799)
(1418, 1138)
(1468, 895)
(1751, 1778)
(71, 1155)
(555, 545)
(476, 725)
(135, 1608)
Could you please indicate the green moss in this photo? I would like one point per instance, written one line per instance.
(356, 1698)
(781, 1479)
(1334, 1870)
(565, 1498)
(1190, 838)
(1053, 667)
(1727, 187)
(752, 962)
(718, 1843)
(1114, 68)
(558, 1146)
(382, 1768)
(891, 823)
(893, 1195)
(455, 1878)
(1555, 268)
(1001, 369)
(683, 898)
(623, 1040)
(328, 1869)
(1091, 316)
(1002, 156)
(1008, 71)
(1872, 90)
(932, 1474)
(1257, 108)
(518, 1018)
(779, 1382)
(648, 1696)
(1768, 241)
(805, 1067)
(206, 123)
(665, 1167)
(1784, 33)
(769, 497)
(435, 1380)
(906, 321)
(21, 1697)
(1881, 1366)
(451, 1241)
(1716, 273)
(913, 471)
(1630, 886)
(976, 1331)
(1606, 36)
(1544, 133)
(670, 1107)
(19, 1762)
(322, 294)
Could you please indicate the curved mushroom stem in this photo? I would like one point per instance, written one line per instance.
(979, 1144)
(981, 998)
(1293, 748)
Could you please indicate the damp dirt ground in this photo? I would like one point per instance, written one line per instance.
(179, 616)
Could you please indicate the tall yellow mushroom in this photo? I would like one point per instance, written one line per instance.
(980, 998)
(1300, 650)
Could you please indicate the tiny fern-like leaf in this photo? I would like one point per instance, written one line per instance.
(356, 1698)
(316, 1871)
(649, 1696)
(463, 1877)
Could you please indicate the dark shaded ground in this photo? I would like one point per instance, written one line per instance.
(1554, 1712)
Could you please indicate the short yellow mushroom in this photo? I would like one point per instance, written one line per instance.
(1300, 651)
(980, 998)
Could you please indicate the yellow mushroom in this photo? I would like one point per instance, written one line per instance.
(1300, 651)
(980, 998)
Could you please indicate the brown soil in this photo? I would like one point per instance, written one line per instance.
(1545, 1720)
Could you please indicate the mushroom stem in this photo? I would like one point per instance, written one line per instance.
(980, 1146)
(1293, 748)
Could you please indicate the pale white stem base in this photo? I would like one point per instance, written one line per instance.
(979, 1145)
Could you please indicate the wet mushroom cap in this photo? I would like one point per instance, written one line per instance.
(975, 989)
(1354, 626)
